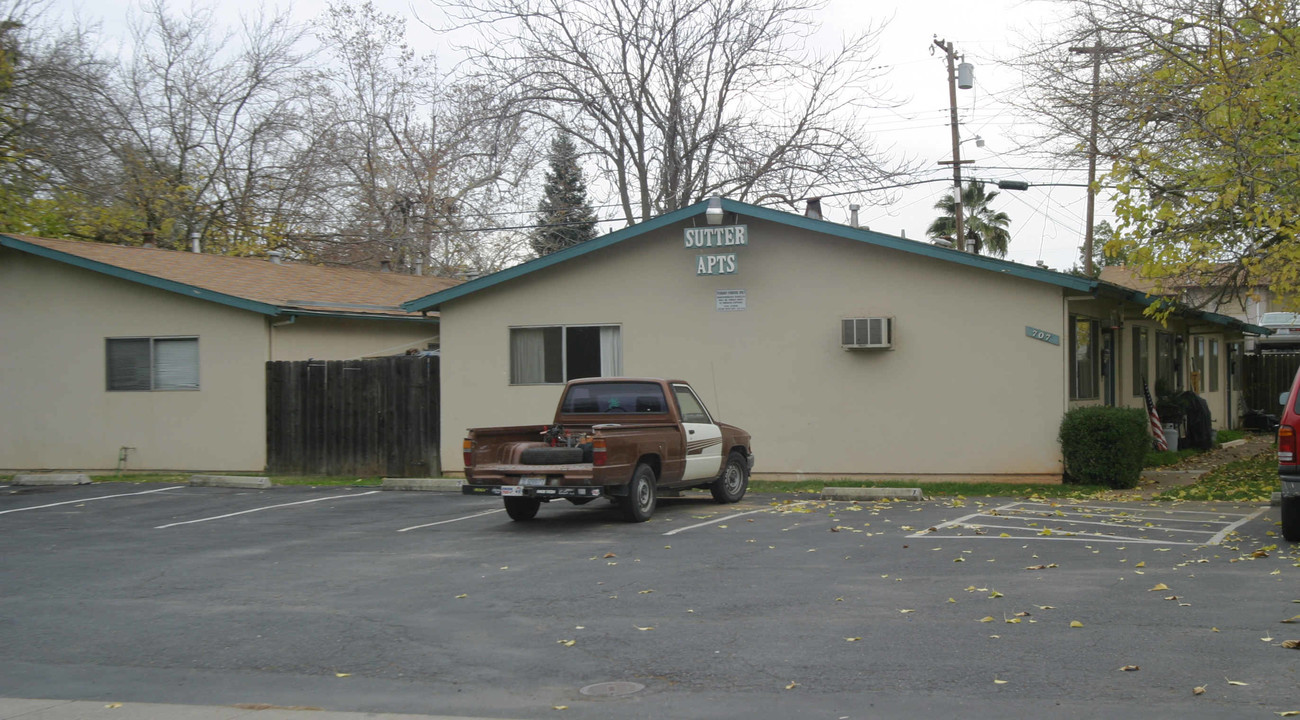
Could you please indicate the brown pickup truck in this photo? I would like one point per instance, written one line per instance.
(623, 439)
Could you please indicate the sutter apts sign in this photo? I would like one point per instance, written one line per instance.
(716, 238)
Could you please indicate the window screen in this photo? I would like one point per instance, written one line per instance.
(129, 364)
(141, 364)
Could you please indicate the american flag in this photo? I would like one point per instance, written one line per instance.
(1157, 431)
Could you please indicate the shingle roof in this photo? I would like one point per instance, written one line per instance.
(1127, 277)
(249, 283)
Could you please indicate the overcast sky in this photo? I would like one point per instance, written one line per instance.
(1047, 223)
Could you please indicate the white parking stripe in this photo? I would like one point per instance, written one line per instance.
(715, 520)
(268, 507)
(1073, 537)
(444, 522)
(85, 500)
(1113, 507)
(1224, 532)
(1065, 515)
(1103, 524)
(1218, 517)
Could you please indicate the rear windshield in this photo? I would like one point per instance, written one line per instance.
(614, 398)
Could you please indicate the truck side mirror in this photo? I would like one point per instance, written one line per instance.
(1284, 398)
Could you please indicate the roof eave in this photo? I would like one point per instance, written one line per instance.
(1145, 300)
(420, 318)
(435, 300)
(153, 281)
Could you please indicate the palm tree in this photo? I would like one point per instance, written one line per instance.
(986, 230)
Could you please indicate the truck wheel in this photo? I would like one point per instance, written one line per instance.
(639, 504)
(522, 508)
(1291, 518)
(733, 481)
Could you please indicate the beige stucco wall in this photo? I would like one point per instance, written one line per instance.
(326, 338)
(964, 392)
(54, 409)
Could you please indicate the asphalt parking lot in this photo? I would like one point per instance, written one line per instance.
(365, 600)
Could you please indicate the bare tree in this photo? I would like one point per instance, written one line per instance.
(186, 136)
(679, 100)
(410, 164)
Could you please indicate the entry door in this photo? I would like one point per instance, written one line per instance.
(703, 437)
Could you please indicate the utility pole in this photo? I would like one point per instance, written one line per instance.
(1096, 51)
(951, 57)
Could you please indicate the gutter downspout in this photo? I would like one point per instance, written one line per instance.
(270, 334)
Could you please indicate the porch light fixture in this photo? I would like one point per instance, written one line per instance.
(713, 215)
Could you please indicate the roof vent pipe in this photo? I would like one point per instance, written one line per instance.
(903, 233)
(813, 209)
(385, 266)
(853, 214)
(148, 239)
(418, 268)
(194, 242)
(276, 256)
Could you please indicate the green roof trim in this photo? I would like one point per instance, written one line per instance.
(825, 227)
(435, 300)
(291, 312)
(138, 277)
(1144, 299)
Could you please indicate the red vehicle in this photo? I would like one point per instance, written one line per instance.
(621, 439)
(1288, 461)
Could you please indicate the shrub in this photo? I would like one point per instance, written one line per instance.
(1104, 445)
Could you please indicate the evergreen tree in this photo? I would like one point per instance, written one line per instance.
(564, 214)
(985, 229)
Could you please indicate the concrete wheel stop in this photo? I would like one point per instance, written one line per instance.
(245, 482)
(425, 484)
(52, 479)
(854, 493)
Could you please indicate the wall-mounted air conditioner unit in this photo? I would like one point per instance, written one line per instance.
(864, 333)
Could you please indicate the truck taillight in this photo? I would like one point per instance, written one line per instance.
(1285, 444)
(468, 447)
(598, 452)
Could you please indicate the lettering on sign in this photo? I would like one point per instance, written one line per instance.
(716, 264)
(1043, 335)
(729, 300)
(711, 237)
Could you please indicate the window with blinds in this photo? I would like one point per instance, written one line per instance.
(143, 364)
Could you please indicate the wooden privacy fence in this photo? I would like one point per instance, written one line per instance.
(353, 417)
(1264, 377)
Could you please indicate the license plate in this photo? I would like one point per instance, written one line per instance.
(532, 481)
(511, 491)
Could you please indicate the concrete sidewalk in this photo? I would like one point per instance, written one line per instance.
(28, 709)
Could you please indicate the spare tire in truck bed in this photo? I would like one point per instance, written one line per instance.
(551, 456)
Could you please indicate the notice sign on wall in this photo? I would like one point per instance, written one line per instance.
(719, 238)
(729, 300)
